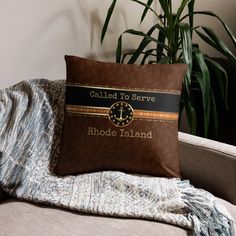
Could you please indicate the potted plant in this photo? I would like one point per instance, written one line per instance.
(170, 40)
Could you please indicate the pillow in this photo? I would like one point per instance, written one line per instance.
(121, 117)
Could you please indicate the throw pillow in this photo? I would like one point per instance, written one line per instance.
(121, 117)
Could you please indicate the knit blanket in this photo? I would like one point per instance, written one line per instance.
(31, 118)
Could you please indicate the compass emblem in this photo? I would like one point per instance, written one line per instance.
(121, 114)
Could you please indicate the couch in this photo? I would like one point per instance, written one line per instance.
(207, 164)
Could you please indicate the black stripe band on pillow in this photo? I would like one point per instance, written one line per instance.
(144, 104)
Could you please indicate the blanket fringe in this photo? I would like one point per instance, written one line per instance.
(208, 216)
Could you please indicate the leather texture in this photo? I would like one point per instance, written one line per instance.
(83, 153)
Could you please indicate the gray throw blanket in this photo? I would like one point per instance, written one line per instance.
(31, 117)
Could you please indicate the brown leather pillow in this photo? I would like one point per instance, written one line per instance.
(121, 117)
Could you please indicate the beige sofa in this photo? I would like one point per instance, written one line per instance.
(208, 164)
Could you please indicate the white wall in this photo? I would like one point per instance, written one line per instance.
(35, 35)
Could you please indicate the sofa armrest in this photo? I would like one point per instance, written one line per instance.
(209, 165)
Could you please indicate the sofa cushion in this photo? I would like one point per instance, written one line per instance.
(22, 218)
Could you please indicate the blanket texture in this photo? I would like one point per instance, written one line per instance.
(31, 117)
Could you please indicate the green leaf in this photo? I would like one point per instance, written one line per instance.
(148, 7)
(205, 86)
(139, 50)
(150, 53)
(146, 36)
(145, 53)
(165, 7)
(221, 76)
(191, 10)
(142, 46)
(190, 110)
(209, 13)
(214, 113)
(145, 56)
(185, 32)
(207, 40)
(133, 32)
(180, 11)
(221, 46)
(217, 44)
(161, 38)
(119, 50)
(149, 3)
(127, 54)
(152, 62)
(165, 60)
(108, 17)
